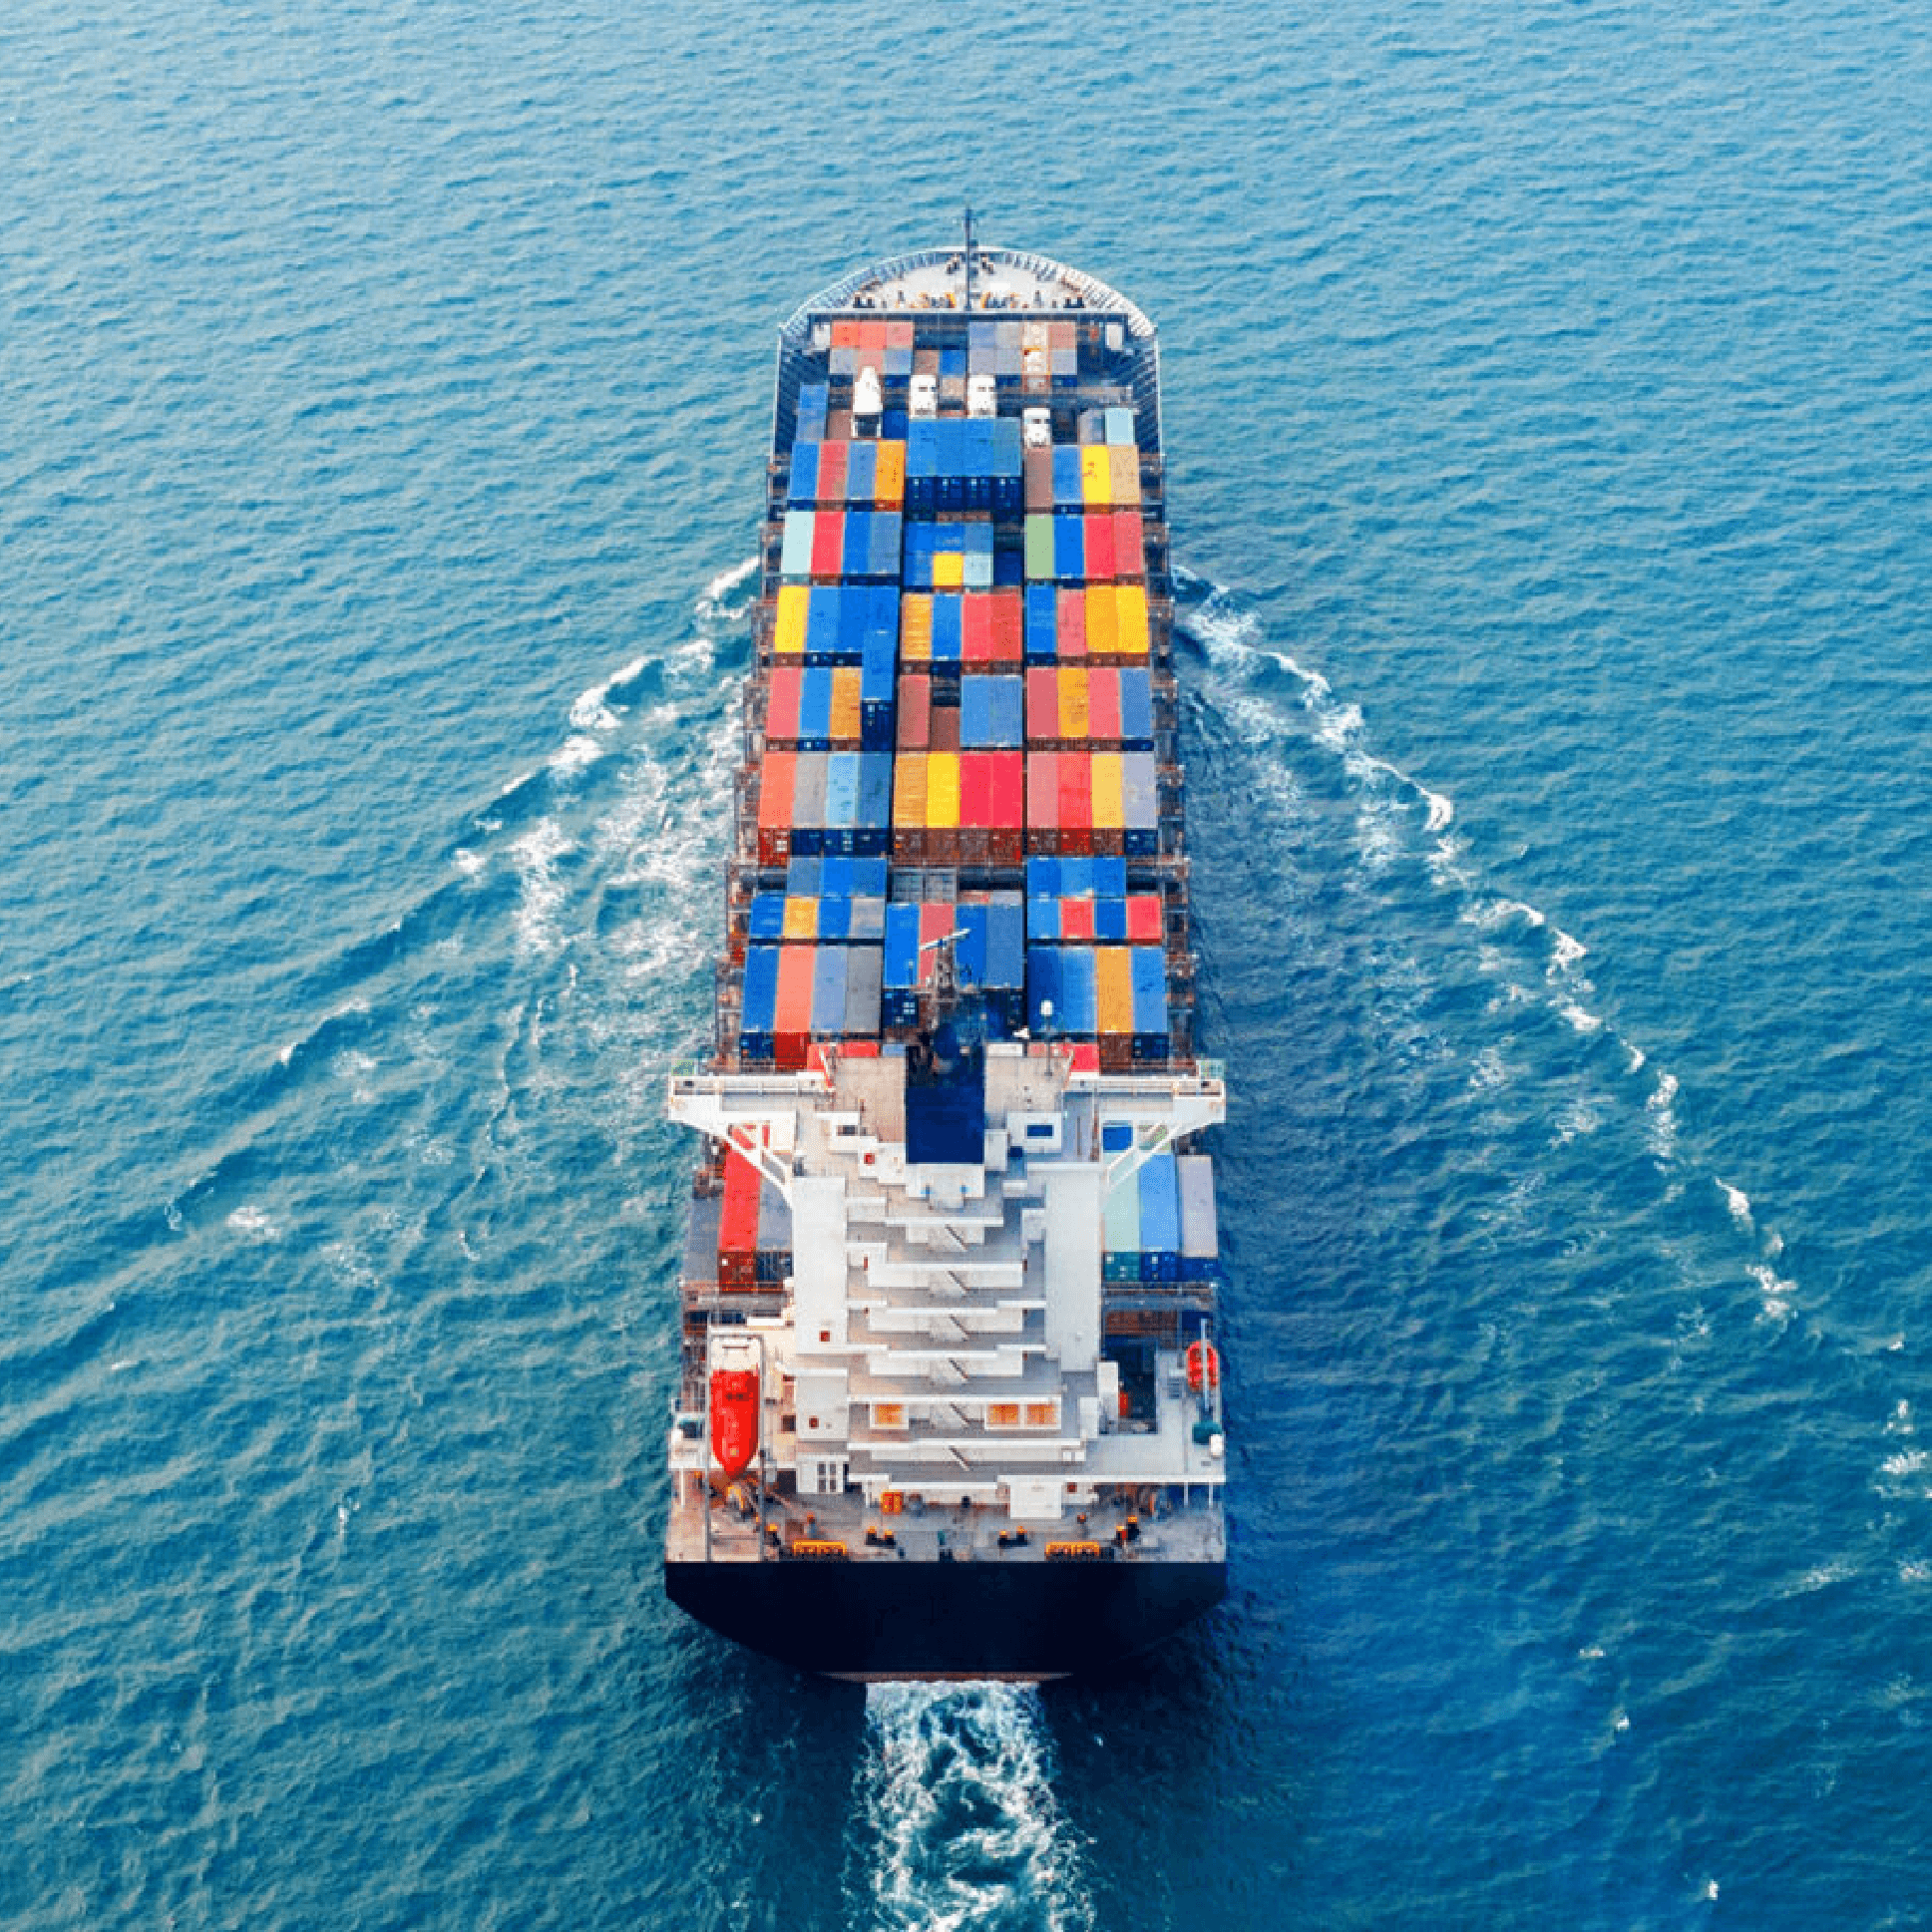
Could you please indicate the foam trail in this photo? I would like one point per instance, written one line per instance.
(714, 600)
(958, 1826)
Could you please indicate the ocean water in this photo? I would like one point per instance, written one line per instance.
(383, 402)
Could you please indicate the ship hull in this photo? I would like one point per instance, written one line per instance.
(943, 1620)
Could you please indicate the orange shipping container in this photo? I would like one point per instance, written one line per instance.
(1102, 624)
(1108, 806)
(916, 627)
(1074, 722)
(908, 791)
(845, 705)
(1113, 989)
(889, 488)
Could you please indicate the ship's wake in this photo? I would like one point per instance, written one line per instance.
(955, 1820)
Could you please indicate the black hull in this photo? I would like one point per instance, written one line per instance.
(946, 1620)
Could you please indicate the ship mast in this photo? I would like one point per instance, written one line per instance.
(968, 257)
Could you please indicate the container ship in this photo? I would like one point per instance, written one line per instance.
(951, 1399)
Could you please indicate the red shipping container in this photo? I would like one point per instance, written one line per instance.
(1076, 803)
(1042, 705)
(1144, 918)
(1099, 543)
(792, 1018)
(946, 727)
(1008, 628)
(779, 769)
(832, 461)
(1103, 706)
(1008, 811)
(828, 544)
(976, 790)
(976, 627)
(1071, 623)
(738, 1225)
(1044, 801)
(1076, 920)
(1129, 544)
(845, 334)
(1039, 469)
(781, 714)
(915, 712)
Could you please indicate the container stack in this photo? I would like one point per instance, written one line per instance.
(963, 690)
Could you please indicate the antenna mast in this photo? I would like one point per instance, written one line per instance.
(968, 257)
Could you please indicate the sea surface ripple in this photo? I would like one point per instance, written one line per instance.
(383, 406)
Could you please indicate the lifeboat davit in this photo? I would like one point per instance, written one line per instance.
(1202, 1367)
(734, 1419)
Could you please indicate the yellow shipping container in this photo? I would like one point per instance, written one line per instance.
(1124, 468)
(916, 627)
(1074, 718)
(908, 791)
(1113, 989)
(1130, 627)
(801, 918)
(845, 703)
(948, 570)
(942, 791)
(889, 485)
(788, 634)
(1110, 803)
(1097, 475)
(1102, 626)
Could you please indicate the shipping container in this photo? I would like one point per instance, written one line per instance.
(1102, 634)
(915, 710)
(863, 989)
(843, 709)
(1129, 545)
(944, 729)
(915, 628)
(787, 626)
(1139, 803)
(1044, 801)
(815, 707)
(1070, 624)
(1136, 687)
(1144, 918)
(828, 991)
(1108, 805)
(1120, 1229)
(759, 1002)
(831, 479)
(1124, 478)
(1113, 989)
(1041, 605)
(1151, 1025)
(1103, 705)
(992, 713)
(795, 554)
(828, 542)
(1076, 802)
(1160, 1218)
(1097, 527)
(808, 802)
(1200, 1224)
(738, 1225)
(777, 783)
(1074, 716)
(1130, 605)
(1069, 546)
(792, 1017)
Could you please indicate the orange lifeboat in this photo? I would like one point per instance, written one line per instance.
(1202, 1367)
(734, 1419)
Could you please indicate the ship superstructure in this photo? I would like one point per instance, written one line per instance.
(951, 1397)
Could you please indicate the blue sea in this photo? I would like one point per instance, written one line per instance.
(384, 401)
